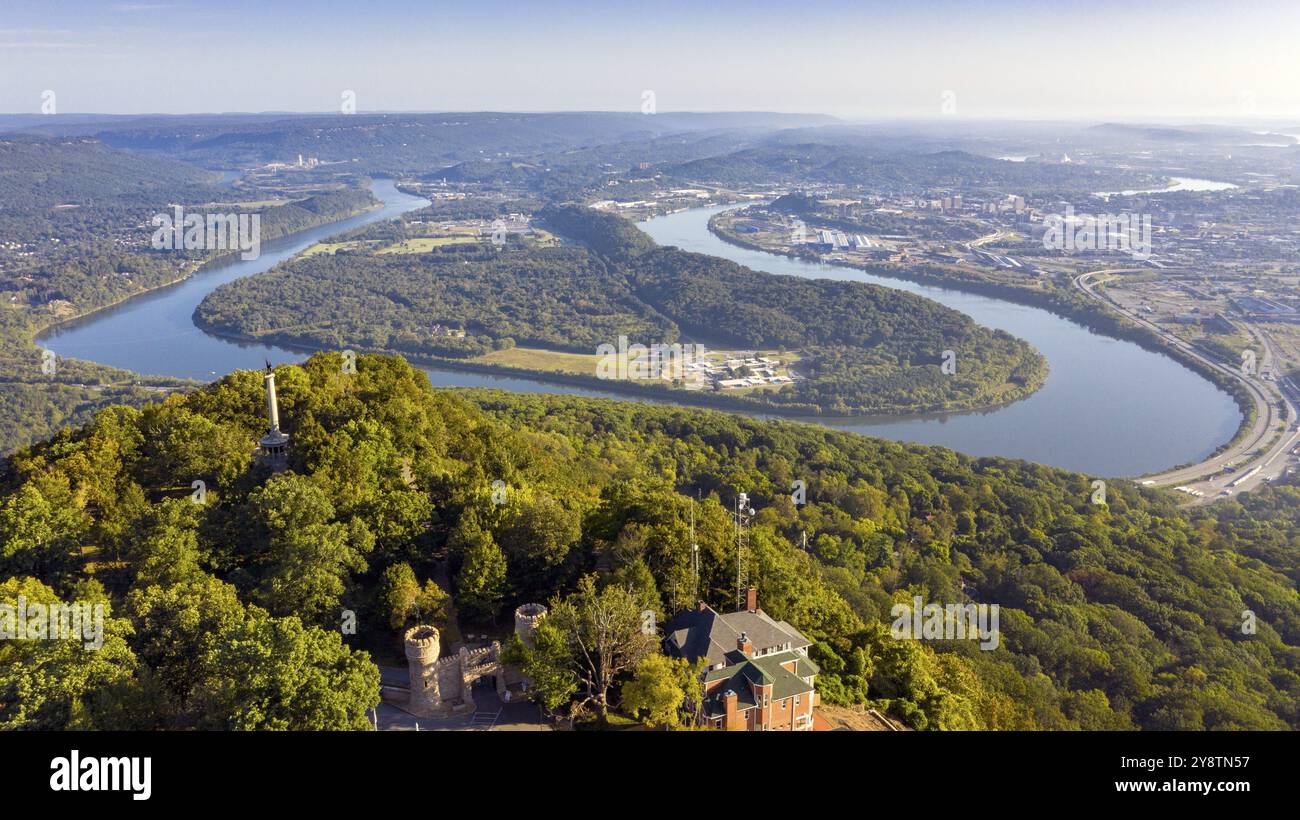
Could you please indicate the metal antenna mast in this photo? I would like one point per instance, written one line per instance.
(695, 559)
(742, 516)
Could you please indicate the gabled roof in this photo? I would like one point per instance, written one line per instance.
(703, 633)
(786, 684)
(742, 673)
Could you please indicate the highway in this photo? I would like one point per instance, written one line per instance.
(1262, 454)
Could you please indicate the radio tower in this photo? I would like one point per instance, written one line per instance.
(695, 560)
(742, 515)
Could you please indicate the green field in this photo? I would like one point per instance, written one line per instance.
(585, 364)
(330, 248)
(552, 361)
(424, 244)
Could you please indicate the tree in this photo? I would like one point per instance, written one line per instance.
(48, 683)
(37, 536)
(539, 529)
(362, 471)
(177, 626)
(548, 665)
(275, 673)
(636, 576)
(604, 628)
(190, 447)
(480, 584)
(310, 554)
(659, 689)
(398, 590)
(164, 543)
(401, 598)
(432, 603)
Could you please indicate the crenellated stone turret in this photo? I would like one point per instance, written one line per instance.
(422, 658)
(527, 618)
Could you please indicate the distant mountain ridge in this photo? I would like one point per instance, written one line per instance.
(398, 143)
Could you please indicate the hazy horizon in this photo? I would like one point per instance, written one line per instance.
(871, 61)
(1184, 120)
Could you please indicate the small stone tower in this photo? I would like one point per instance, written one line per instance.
(422, 657)
(273, 448)
(527, 619)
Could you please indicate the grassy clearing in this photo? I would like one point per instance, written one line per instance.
(257, 204)
(585, 364)
(543, 239)
(552, 361)
(424, 244)
(332, 247)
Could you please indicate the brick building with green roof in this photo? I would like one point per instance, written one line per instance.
(758, 677)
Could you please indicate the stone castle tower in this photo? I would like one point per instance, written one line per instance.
(422, 659)
(527, 618)
(273, 448)
(443, 686)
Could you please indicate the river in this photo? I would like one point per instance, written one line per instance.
(1108, 408)
(1176, 184)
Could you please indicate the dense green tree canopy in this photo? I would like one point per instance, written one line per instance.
(1116, 616)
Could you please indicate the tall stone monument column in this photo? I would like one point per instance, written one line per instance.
(274, 446)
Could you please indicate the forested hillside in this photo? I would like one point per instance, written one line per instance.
(35, 405)
(75, 228)
(226, 613)
(559, 298)
(402, 143)
(851, 164)
(863, 348)
(609, 236)
(36, 174)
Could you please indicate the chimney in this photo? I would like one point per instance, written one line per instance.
(743, 644)
(729, 701)
(751, 599)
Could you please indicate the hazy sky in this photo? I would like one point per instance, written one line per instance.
(863, 59)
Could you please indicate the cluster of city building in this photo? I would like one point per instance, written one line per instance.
(303, 164)
(739, 371)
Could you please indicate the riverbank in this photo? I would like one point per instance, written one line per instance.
(1085, 312)
(641, 390)
(40, 329)
(38, 396)
(1261, 439)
